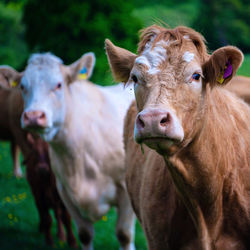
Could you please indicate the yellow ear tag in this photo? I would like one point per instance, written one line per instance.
(220, 78)
(13, 84)
(82, 74)
(227, 72)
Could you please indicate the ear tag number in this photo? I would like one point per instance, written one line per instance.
(82, 74)
(228, 70)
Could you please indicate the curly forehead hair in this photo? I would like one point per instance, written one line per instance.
(179, 34)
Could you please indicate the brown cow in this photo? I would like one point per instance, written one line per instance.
(201, 130)
(5, 130)
(43, 186)
(35, 152)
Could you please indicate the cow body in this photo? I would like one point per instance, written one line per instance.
(6, 133)
(161, 212)
(38, 172)
(87, 154)
(200, 128)
(43, 186)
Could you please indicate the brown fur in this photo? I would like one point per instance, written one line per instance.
(43, 186)
(177, 35)
(162, 214)
(210, 166)
(5, 131)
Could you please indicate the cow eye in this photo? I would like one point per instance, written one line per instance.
(196, 76)
(134, 78)
(59, 85)
(21, 86)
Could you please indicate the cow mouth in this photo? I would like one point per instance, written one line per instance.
(163, 145)
(38, 129)
(157, 139)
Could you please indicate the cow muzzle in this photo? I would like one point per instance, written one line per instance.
(34, 119)
(155, 125)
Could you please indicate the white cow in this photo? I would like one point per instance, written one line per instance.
(83, 124)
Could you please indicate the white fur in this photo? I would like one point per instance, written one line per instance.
(143, 60)
(155, 56)
(85, 135)
(188, 57)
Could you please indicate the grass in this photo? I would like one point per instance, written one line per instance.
(19, 217)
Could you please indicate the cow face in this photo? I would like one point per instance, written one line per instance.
(170, 76)
(44, 86)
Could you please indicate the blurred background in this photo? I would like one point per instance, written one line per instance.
(70, 28)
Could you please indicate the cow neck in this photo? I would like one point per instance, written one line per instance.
(76, 139)
(205, 171)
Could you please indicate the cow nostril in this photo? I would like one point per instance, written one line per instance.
(42, 116)
(140, 122)
(25, 116)
(165, 120)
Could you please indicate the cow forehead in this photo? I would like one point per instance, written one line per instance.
(159, 55)
(36, 74)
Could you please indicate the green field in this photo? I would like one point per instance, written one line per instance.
(19, 217)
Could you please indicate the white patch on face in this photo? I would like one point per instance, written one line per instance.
(154, 57)
(188, 57)
(186, 37)
(142, 60)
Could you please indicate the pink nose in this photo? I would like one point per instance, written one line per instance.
(34, 119)
(157, 123)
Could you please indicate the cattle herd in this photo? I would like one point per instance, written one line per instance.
(174, 153)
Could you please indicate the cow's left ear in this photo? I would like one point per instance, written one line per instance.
(81, 69)
(222, 65)
(9, 77)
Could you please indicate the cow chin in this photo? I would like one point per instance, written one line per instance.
(162, 145)
(48, 134)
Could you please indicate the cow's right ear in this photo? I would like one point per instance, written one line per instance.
(9, 77)
(121, 61)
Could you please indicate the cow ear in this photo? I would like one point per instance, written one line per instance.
(81, 69)
(121, 61)
(222, 65)
(9, 77)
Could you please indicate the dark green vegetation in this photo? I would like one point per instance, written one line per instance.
(69, 29)
(226, 22)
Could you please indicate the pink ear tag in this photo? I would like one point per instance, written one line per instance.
(228, 70)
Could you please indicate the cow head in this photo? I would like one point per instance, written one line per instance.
(170, 75)
(45, 84)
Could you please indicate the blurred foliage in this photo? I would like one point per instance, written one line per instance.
(182, 13)
(225, 22)
(70, 28)
(13, 48)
